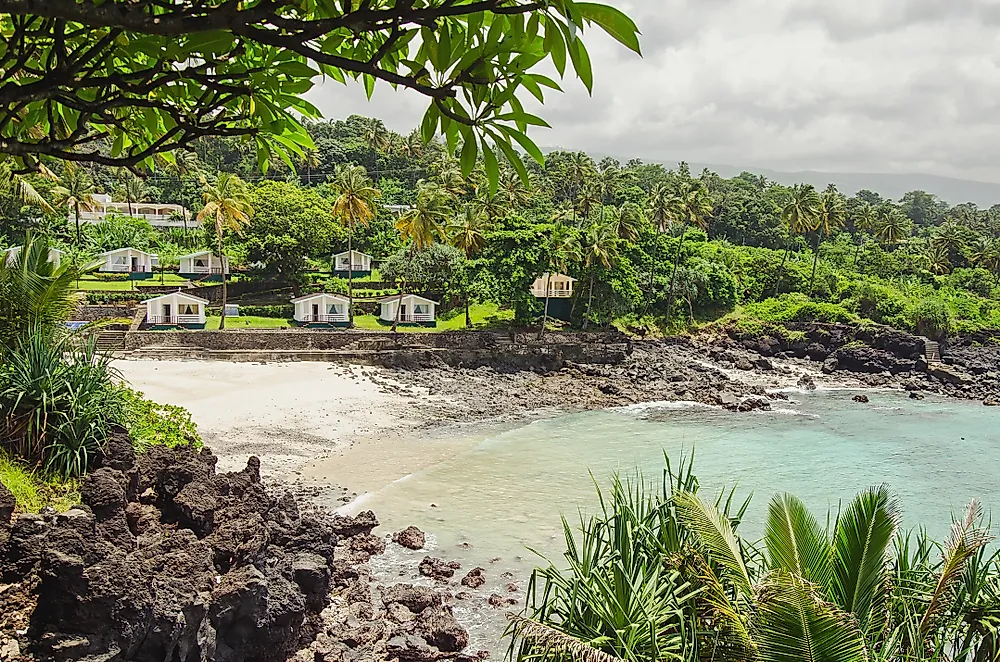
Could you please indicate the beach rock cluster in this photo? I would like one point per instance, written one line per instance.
(165, 559)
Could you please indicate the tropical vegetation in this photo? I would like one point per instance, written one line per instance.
(662, 572)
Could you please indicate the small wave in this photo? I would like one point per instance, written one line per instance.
(790, 412)
(663, 404)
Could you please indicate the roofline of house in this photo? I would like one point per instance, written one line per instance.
(395, 297)
(319, 294)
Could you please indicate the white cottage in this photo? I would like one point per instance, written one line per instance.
(356, 261)
(202, 263)
(322, 308)
(128, 261)
(413, 309)
(560, 286)
(176, 309)
(55, 255)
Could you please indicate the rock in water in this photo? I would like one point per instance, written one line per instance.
(438, 569)
(806, 382)
(475, 578)
(860, 398)
(989, 402)
(914, 395)
(830, 365)
(411, 538)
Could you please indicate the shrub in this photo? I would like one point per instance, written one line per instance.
(58, 403)
(284, 311)
(31, 493)
(103, 298)
(110, 277)
(335, 285)
(151, 423)
(931, 318)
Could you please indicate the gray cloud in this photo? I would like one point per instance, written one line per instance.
(859, 85)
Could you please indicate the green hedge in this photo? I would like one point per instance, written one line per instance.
(101, 298)
(277, 312)
(111, 277)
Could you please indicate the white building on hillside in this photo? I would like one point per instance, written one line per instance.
(202, 263)
(560, 286)
(128, 261)
(413, 309)
(159, 215)
(55, 255)
(176, 309)
(356, 261)
(322, 308)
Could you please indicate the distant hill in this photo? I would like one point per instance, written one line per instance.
(892, 186)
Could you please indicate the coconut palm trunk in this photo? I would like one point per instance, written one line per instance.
(812, 278)
(590, 300)
(350, 275)
(222, 319)
(468, 316)
(781, 269)
(402, 289)
(545, 315)
(76, 210)
(673, 276)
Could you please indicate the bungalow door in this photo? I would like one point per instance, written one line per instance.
(166, 313)
(135, 264)
(315, 315)
(402, 312)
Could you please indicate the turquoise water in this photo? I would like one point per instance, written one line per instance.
(507, 492)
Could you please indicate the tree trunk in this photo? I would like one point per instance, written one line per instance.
(222, 320)
(590, 299)
(673, 276)
(468, 317)
(184, 215)
(128, 199)
(76, 208)
(545, 315)
(350, 275)
(781, 270)
(812, 278)
(399, 301)
(690, 310)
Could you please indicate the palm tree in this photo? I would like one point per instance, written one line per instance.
(937, 258)
(355, 204)
(75, 190)
(562, 248)
(831, 217)
(663, 209)
(466, 234)
(626, 221)
(949, 237)
(132, 189)
(185, 163)
(227, 205)
(19, 188)
(694, 207)
(863, 219)
(309, 160)
(986, 254)
(412, 145)
(600, 249)
(800, 215)
(377, 138)
(423, 225)
(513, 191)
(891, 225)
(590, 196)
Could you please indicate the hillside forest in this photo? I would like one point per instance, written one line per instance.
(652, 248)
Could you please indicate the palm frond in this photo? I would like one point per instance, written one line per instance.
(554, 644)
(795, 542)
(715, 533)
(794, 624)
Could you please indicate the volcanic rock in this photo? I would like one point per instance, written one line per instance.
(411, 538)
(7, 505)
(414, 598)
(806, 382)
(437, 568)
(860, 398)
(475, 578)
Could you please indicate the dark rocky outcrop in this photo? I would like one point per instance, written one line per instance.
(411, 538)
(475, 578)
(167, 560)
(6, 505)
(437, 568)
(860, 398)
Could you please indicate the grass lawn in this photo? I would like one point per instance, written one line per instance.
(248, 322)
(92, 284)
(32, 493)
(484, 316)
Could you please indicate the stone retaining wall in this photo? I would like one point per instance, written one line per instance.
(465, 348)
(88, 313)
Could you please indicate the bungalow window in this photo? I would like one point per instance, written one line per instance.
(420, 309)
(333, 309)
(187, 309)
(199, 262)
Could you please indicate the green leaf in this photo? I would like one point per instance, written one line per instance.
(554, 45)
(296, 69)
(492, 168)
(795, 542)
(861, 543)
(369, 82)
(469, 152)
(716, 535)
(793, 623)
(428, 127)
(581, 63)
(612, 21)
(512, 157)
(526, 143)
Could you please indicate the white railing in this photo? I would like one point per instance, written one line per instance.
(124, 268)
(356, 267)
(173, 319)
(204, 270)
(416, 317)
(553, 293)
(326, 318)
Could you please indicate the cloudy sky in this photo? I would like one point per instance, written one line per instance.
(904, 86)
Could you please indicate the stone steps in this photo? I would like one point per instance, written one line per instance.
(111, 341)
(932, 351)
